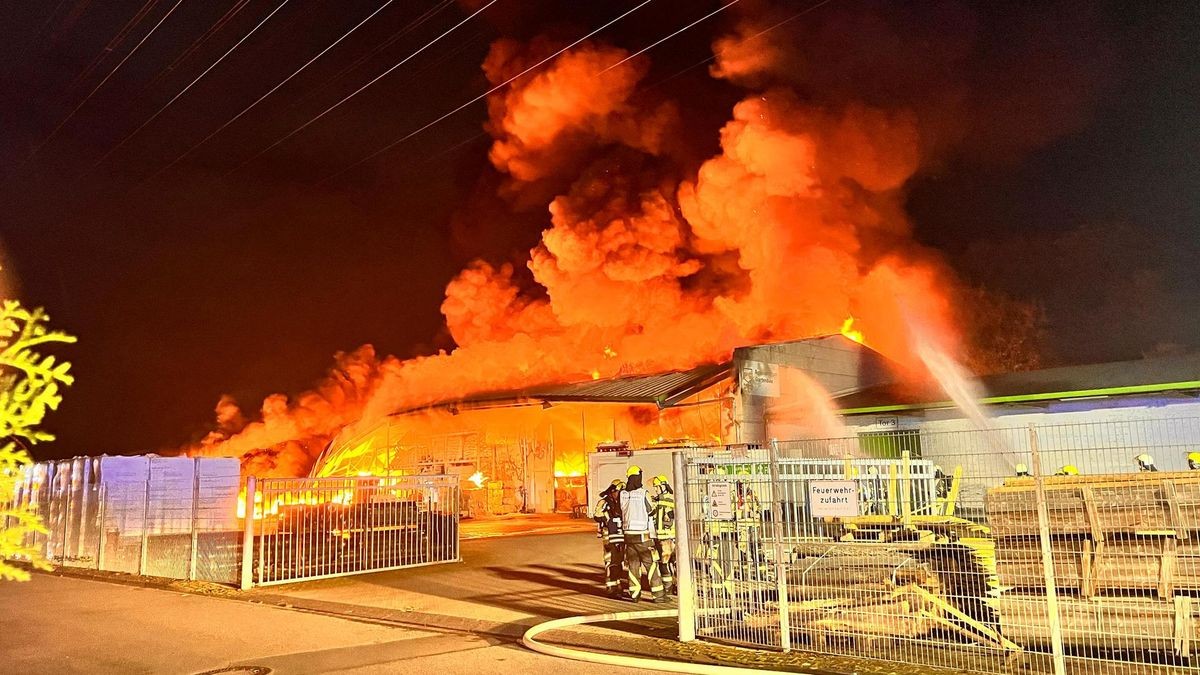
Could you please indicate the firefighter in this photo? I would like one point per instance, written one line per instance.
(1145, 462)
(608, 525)
(664, 530)
(638, 528)
(1022, 471)
(1193, 460)
(941, 482)
(748, 519)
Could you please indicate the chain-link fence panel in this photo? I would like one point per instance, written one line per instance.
(311, 528)
(1055, 549)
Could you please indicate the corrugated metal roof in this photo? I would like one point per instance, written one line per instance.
(663, 388)
(1143, 376)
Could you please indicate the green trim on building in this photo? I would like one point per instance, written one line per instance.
(1025, 398)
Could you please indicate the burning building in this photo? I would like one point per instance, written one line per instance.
(527, 449)
(672, 235)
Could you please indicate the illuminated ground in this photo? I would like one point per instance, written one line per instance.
(66, 625)
(524, 523)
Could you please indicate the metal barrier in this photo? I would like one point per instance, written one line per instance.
(941, 555)
(313, 528)
(155, 516)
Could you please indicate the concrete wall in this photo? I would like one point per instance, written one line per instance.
(839, 365)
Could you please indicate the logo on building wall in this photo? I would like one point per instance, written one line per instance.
(760, 379)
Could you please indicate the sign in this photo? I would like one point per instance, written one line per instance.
(760, 379)
(890, 422)
(720, 501)
(834, 498)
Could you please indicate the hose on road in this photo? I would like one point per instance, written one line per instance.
(530, 641)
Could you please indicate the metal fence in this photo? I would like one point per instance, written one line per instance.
(175, 519)
(960, 550)
(313, 528)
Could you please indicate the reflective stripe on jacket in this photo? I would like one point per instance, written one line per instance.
(664, 516)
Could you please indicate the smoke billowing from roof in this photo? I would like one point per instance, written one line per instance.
(656, 260)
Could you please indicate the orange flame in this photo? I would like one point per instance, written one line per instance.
(851, 332)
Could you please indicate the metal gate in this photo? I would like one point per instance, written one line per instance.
(299, 529)
(973, 557)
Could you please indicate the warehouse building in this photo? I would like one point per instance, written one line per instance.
(527, 450)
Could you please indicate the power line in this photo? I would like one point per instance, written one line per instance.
(354, 93)
(102, 82)
(190, 84)
(212, 30)
(411, 26)
(658, 42)
(272, 90)
(487, 93)
(760, 33)
(114, 43)
(791, 18)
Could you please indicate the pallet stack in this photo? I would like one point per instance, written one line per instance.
(1125, 553)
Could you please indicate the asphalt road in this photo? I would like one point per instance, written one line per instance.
(66, 625)
(510, 580)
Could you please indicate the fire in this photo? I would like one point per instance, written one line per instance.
(796, 223)
(851, 332)
(478, 479)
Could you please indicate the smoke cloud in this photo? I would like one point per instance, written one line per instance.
(651, 262)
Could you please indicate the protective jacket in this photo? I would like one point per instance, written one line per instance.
(664, 515)
(635, 510)
(607, 515)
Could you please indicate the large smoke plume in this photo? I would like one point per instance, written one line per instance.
(654, 261)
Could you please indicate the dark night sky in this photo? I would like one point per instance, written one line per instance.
(195, 282)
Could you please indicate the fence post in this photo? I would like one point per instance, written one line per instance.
(248, 536)
(195, 517)
(66, 516)
(102, 512)
(145, 521)
(683, 551)
(1052, 616)
(785, 628)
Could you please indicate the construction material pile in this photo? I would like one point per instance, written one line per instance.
(1125, 552)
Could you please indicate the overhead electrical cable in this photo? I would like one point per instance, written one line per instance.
(356, 92)
(190, 84)
(487, 93)
(534, 66)
(748, 38)
(199, 42)
(405, 30)
(287, 79)
(695, 65)
(661, 40)
(103, 81)
(114, 43)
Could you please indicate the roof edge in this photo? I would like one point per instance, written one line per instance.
(1024, 398)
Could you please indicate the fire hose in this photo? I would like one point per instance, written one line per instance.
(617, 659)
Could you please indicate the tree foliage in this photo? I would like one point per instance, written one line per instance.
(1003, 334)
(30, 385)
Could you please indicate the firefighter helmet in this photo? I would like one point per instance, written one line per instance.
(633, 470)
(619, 484)
(1022, 470)
(1193, 459)
(1068, 470)
(1144, 459)
(660, 481)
